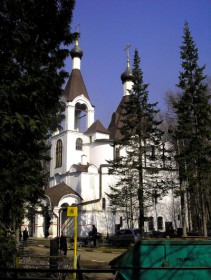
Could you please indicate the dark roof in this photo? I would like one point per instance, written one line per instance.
(97, 127)
(57, 192)
(81, 167)
(116, 120)
(75, 86)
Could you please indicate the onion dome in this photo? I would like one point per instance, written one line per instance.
(76, 51)
(127, 75)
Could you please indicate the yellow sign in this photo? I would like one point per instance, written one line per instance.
(72, 211)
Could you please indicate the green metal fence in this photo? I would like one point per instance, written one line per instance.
(165, 260)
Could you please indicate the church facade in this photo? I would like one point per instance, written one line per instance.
(79, 170)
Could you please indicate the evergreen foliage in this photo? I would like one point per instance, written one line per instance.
(34, 37)
(139, 145)
(193, 133)
(7, 248)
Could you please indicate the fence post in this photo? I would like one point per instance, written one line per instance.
(54, 252)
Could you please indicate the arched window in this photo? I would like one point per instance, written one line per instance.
(153, 152)
(160, 223)
(79, 143)
(59, 153)
(103, 203)
(121, 221)
(151, 223)
(117, 153)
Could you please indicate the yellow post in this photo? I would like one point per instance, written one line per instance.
(72, 211)
(17, 261)
(75, 246)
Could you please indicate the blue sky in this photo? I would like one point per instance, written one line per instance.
(154, 27)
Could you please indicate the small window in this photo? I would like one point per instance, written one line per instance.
(151, 223)
(121, 221)
(160, 223)
(59, 153)
(117, 153)
(155, 196)
(152, 152)
(103, 203)
(79, 143)
(163, 154)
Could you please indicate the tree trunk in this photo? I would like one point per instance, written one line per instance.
(141, 210)
(204, 217)
(183, 212)
(190, 224)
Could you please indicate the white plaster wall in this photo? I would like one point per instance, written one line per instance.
(73, 180)
(60, 170)
(73, 156)
(100, 153)
(90, 183)
(70, 155)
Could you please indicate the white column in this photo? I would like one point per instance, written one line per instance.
(54, 227)
(76, 63)
(70, 117)
(128, 85)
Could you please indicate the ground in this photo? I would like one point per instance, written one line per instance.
(90, 257)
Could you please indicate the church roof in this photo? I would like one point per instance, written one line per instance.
(116, 120)
(97, 127)
(57, 192)
(75, 86)
(81, 167)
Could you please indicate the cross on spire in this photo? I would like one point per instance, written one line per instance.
(127, 50)
(77, 27)
(77, 34)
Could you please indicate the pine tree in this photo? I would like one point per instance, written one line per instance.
(34, 36)
(123, 199)
(140, 140)
(193, 111)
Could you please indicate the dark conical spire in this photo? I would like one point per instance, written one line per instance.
(75, 85)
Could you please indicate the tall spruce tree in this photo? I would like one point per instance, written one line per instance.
(193, 133)
(123, 198)
(140, 137)
(34, 37)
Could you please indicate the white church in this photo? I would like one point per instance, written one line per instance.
(79, 168)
